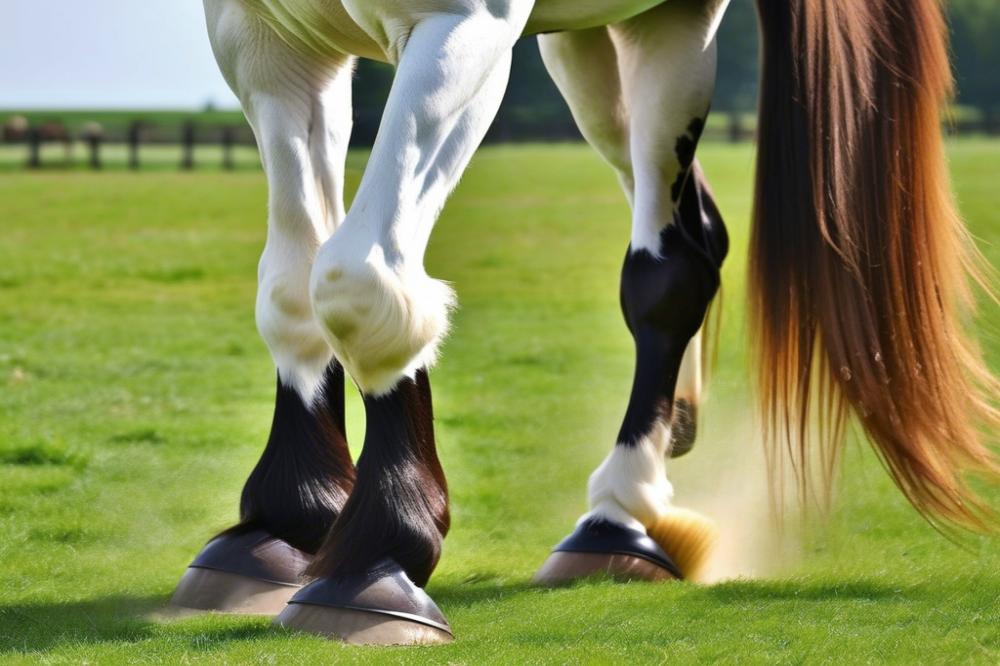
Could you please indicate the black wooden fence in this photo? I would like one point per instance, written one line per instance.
(188, 137)
(191, 135)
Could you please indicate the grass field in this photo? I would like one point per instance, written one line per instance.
(135, 397)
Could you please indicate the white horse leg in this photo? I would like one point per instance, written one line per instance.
(665, 68)
(384, 318)
(584, 66)
(299, 109)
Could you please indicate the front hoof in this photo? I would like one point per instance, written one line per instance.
(380, 607)
(601, 548)
(251, 573)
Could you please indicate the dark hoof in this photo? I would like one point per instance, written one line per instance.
(380, 607)
(253, 573)
(601, 548)
(684, 428)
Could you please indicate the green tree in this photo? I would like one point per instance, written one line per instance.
(736, 85)
(533, 108)
(975, 26)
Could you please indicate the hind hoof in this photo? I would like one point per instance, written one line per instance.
(252, 573)
(604, 549)
(684, 428)
(380, 607)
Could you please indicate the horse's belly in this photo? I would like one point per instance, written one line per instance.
(326, 27)
(320, 27)
(556, 15)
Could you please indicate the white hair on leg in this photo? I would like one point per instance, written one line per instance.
(382, 322)
(383, 316)
(584, 66)
(630, 487)
(299, 108)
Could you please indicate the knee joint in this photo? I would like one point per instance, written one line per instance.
(383, 323)
(286, 324)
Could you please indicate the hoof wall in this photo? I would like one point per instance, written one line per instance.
(380, 607)
(601, 548)
(564, 568)
(223, 592)
(251, 573)
(356, 627)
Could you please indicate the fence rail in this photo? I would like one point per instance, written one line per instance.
(188, 137)
(191, 138)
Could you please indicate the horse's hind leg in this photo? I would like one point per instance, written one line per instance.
(300, 113)
(665, 67)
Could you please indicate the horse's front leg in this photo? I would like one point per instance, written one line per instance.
(299, 108)
(385, 318)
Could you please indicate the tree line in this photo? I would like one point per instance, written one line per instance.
(533, 108)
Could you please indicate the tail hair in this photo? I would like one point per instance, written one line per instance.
(860, 265)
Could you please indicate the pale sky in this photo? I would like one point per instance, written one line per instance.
(107, 54)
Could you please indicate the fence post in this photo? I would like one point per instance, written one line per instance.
(187, 141)
(34, 148)
(134, 138)
(228, 138)
(94, 141)
(735, 127)
(991, 122)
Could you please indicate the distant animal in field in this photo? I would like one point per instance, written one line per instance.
(15, 129)
(18, 130)
(859, 270)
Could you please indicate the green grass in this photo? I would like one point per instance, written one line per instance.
(135, 397)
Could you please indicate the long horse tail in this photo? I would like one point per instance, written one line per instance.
(860, 265)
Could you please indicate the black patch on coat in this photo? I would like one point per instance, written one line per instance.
(664, 300)
(685, 148)
(399, 507)
(305, 474)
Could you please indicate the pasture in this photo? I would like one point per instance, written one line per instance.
(135, 396)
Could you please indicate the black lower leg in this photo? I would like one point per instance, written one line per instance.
(664, 300)
(305, 474)
(399, 506)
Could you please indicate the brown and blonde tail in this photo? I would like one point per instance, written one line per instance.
(859, 263)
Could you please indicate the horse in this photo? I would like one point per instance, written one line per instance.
(16, 129)
(860, 274)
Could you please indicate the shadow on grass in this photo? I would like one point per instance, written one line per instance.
(467, 594)
(480, 591)
(766, 590)
(31, 628)
(37, 627)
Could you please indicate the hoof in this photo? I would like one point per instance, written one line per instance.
(380, 607)
(600, 548)
(252, 573)
(684, 428)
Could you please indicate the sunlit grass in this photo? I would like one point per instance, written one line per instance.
(135, 397)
